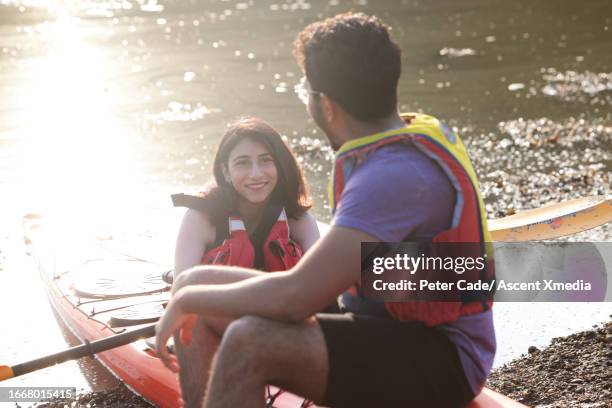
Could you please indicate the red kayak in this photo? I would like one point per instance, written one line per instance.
(100, 292)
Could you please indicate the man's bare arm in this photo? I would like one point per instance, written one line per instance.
(331, 266)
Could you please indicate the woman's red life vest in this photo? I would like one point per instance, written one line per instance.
(279, 251)
(469, 224)
(269, 248)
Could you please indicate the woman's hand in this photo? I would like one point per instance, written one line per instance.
(173, 320)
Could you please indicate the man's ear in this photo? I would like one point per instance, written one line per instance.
(329, 108)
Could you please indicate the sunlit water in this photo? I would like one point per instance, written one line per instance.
(112, 103)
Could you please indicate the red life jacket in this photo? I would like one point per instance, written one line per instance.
(469, 223)
(279, 251)
(269, 248)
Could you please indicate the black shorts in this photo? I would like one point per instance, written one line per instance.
(377, 363)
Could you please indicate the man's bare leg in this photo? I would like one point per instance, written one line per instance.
(195, 358)
(256, 351)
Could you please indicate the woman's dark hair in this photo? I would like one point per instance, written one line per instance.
(290, 191)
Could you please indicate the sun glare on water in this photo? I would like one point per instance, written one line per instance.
(76, 157)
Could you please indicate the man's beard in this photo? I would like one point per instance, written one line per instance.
(317, 116)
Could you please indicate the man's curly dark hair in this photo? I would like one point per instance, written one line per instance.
(353, 59)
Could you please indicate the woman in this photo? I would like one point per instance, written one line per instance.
(255, 216)
(241, 221)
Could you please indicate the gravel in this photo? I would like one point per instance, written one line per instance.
(116, 397)
(573, 371)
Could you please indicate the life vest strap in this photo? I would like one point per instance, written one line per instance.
(191, 201)
(271, 215)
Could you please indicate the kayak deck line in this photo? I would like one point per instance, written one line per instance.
(118, 308)
(87, 302)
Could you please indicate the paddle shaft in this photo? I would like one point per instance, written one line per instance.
(82, 350)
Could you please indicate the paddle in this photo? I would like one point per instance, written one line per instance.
(77, 352)
(553, 220)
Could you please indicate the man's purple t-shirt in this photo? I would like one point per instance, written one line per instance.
(398, 192)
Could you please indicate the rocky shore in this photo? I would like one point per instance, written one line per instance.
(116, 397)
(573, 371)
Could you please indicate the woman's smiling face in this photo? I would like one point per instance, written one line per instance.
(252, 171)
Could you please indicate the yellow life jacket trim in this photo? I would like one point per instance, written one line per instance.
(428, 126)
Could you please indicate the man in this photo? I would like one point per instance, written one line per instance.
(390, 182)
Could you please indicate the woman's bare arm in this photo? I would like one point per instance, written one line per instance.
(304, 230)
(195, 233)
